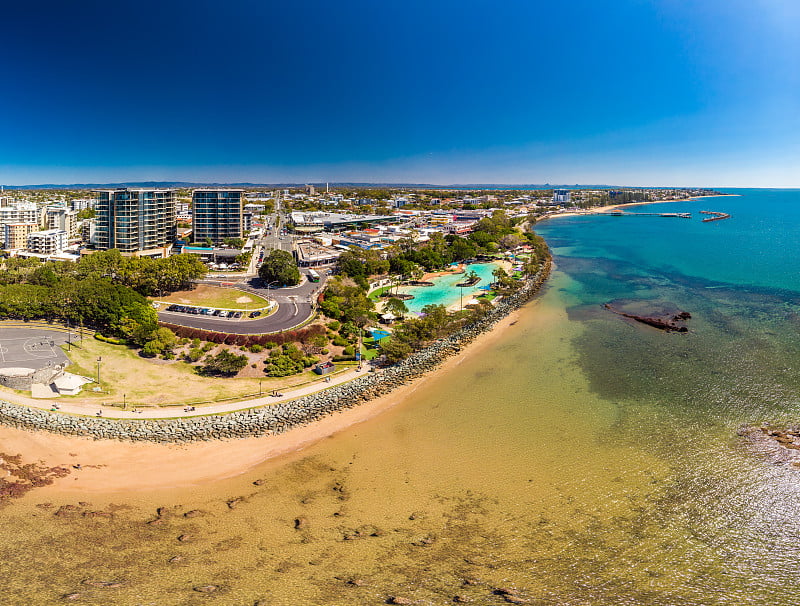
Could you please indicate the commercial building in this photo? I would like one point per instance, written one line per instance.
(138, 222)
(216, 214)
(47, 242)
(15, 235)
(310, 222)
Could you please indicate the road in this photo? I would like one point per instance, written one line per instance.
(294, 307)
(295, 303)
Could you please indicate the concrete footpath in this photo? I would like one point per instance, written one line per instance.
(181, 410)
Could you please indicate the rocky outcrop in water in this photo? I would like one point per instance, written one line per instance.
(281, 417)
(669, 323)
(780, 445)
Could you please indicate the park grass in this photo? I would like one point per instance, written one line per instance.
(153, 382)
(216, 297)
(375, 295)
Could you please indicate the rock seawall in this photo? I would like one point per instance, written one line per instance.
(281, 417)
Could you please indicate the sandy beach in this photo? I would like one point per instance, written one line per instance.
(599, 210)
(112, 466)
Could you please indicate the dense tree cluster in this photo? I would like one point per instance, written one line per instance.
(279, 266)
(95, 302)
(144, 275)
(104, 290)
(346, 301)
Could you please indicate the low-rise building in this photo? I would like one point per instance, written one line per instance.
(47, 242)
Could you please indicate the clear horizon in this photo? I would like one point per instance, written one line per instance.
(645, 93)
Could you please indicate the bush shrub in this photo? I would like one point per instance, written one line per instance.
(194, 354)
(110, 340)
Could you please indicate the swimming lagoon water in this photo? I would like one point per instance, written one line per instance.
(582, 459)
(445, 292)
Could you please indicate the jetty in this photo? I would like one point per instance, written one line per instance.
(715, 216)
(619, 213)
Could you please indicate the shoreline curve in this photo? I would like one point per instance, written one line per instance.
(280, 418)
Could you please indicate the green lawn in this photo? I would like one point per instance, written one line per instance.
(213, 296)
(375, 295)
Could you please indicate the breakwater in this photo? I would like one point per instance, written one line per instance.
(281, 417)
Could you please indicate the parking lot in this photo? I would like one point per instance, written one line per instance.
(209, 311)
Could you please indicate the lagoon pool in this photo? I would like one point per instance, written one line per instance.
(445, 292)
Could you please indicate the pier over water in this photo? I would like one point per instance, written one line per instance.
(674, 215)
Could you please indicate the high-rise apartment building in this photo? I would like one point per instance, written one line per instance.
(21, 212)
(15, 235)
(562, 196)
(216, 214)
(139, 222)
(60, 217)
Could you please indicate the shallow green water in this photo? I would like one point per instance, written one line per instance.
(583, 459)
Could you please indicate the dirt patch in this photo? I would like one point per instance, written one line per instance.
(244, 300)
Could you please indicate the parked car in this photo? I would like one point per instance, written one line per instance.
(223, 314)
(255, 314)
(237, 314)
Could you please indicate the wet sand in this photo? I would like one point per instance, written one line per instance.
(112, 466)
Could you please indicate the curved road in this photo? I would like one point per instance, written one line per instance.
(294, 308)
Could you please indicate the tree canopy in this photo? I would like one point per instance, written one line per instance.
(279, 266)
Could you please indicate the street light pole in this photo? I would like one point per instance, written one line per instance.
(99, 359)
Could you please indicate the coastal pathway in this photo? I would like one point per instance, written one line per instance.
(178, 410)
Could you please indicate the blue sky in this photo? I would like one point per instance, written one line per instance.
(669, 92)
